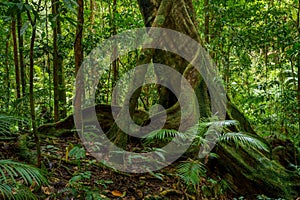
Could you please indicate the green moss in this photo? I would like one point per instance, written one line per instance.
(268, 175)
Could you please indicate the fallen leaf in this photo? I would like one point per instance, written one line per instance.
(117, 193)
(46, 190)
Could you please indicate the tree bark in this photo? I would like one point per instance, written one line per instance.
(78, 53)
(6, 78)
(21, 55)
(78, 40)
(16, 60)
(115, 63)
(206, 21)
(298, 64)
(92, 15)
(179, 15)
(55, 63)
(61, 76)
(58, 74)
(31, 86)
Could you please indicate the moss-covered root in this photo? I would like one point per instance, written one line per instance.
(252, 173)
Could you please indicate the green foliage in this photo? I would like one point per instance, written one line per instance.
(104, 183)
(243, 140)
(221, 130)
(8, 123)
(191, 172)
(162, 136)
(15, 177)
(77, 152)
(255, 45)
(78, 187)
(77, 179)
(214, 188)
(16, 192)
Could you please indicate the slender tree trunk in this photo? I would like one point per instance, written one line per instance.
(21, 55)
(78, 53)
(202, 93)
(226, 64)
(206, 21)
(31, 96)
(6, 78)
(16, 60)
(78, 40)
(58, 74)
(48, 64)
(115, 63)
(298, 65)
(61, 77)
(31, 86)
(55, 64)
(92, 15)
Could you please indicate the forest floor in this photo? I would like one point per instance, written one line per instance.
(84, 178)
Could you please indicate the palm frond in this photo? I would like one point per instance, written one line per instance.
(11, 171)
(6, 191)
(19, 102)
(7, 122)
(19, 192)
(243, 139)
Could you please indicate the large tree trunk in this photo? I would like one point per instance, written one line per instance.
(241, 166)
(247, 171)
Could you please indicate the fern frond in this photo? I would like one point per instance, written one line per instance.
(191, 172)
(164, 135)
(243, 139)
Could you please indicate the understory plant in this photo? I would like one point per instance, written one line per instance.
(193, 170)
(18, 180)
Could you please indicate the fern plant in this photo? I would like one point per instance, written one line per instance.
(220, 131)
(163, 136)
(243, 139)
(191, 172)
